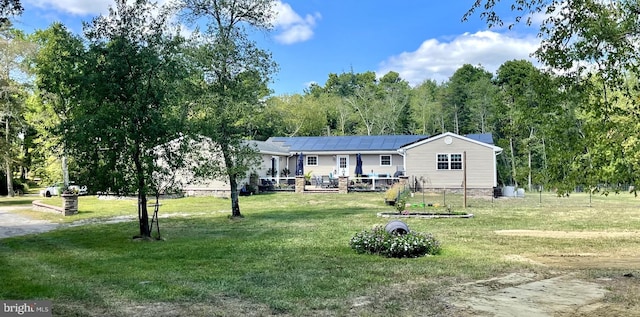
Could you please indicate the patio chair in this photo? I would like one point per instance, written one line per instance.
(326, 181)
(333, 182)
(318, 180)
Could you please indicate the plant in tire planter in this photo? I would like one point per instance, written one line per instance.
(410, 245)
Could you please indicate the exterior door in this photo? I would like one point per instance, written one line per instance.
(342, 167)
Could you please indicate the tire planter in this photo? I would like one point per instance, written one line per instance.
(396, 227)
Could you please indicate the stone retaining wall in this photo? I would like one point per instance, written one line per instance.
(69, 206)
(40, 206)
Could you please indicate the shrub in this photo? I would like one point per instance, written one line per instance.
(401, 203)
(410, 245)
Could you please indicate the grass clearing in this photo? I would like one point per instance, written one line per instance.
(290, 256)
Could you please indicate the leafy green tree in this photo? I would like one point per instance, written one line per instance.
(235, 73)
(457, 101)
(365, 104)
(302, 115)
(517, 114)
(482, 100)
(396, 110)
(57, 68)
(126, 110)
(426, 104)
(14, 48)
(44, 145)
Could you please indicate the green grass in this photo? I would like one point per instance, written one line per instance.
(290, 253)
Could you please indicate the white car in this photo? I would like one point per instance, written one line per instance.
(53, 190)
(56, 190)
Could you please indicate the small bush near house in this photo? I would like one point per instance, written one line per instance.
(397, 196)
(410, 245)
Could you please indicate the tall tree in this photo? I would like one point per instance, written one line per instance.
(301, 115)
(517, 114)
(57, 68)
(126, 108)
(235, 76)
(457, 100)
(427, 108)
(482, 99)
(396, 111)
(14, 48)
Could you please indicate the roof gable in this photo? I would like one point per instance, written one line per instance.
(484, 139)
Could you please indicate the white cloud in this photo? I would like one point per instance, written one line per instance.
(291, 27)
(77, 7)
(438, 60)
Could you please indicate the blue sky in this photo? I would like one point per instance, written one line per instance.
(420, 39)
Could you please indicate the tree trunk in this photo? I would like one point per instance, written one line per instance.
(143, 214)
(7, 161)
(7, 168)
(530, 185)
(455, 116)
(235, 203)
(233, 181)
(513, 163)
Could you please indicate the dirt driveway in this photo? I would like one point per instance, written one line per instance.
(12, 224)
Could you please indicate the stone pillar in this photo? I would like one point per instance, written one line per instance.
(70, 204)
(343, 184)
(300, 182)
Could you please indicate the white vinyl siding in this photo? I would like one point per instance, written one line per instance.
(441, 164)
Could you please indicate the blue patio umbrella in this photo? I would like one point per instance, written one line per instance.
(358, 164)
(300, 165)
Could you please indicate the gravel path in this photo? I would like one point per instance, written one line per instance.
(12, 224)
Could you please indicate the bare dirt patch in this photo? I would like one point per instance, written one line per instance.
(615, 259)
(218, 306)
(569, 234)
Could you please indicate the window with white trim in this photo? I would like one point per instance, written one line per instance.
(385, 160)
(312, 160)
(449, 161)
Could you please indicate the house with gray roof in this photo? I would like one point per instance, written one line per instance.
(421, 158)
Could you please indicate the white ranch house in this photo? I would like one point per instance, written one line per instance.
(430, 163)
